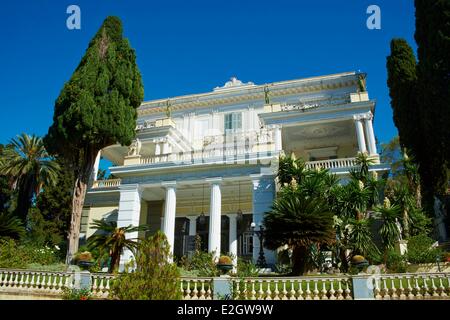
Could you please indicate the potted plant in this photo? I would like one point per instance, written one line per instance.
(225, 264)
(359, 262)
(84, 260)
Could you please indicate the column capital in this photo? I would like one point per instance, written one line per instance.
(274, 126)
(169, 184)
(231, 215)
(131, 187)
(368, 116)
(363, 116)
(192, 217)
(216, 180)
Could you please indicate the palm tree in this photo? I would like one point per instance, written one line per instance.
(109, 239)
(298, 221)
(412, 174)
(360, 238)
(363, 163)
(389, 231)
(403, 198)
(11, 226)
(289, 167)
(29, 167)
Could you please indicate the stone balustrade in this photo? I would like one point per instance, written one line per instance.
(298, 288)
(407, 286)
(411, 286)
(110, 183)
(331, 163)
(196, 288)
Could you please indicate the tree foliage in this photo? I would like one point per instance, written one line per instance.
(95, 109)
(420, 95)
(11, 226)
(155, 277)
(112, 240)
(27, 164)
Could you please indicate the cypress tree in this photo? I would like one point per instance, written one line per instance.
(96, 108)
(401, 68)
(433, 93)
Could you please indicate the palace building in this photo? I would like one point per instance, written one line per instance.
(205, 164)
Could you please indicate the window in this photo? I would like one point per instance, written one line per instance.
(233, 121)
(201, 128)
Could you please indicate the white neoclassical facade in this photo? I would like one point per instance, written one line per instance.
(205, 164)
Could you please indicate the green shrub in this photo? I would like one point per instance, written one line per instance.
(246, 268)
(420, 250)
(202, 263)
(16, 255)
(154, 278)
(76, 294)
(57, 267)
(395, 262)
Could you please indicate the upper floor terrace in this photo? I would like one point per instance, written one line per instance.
(325, 120)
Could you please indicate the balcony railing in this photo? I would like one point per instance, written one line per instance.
(111, 183)
(331, 164)
(155, 123)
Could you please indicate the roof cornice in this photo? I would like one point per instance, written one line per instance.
(249, 93)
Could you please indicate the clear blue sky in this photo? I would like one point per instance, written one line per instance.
(193, 46)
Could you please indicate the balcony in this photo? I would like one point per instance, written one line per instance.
(331, 164)
(111, 183)
(216, 148)
(165, 122)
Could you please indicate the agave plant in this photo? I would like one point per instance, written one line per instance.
(113, 240)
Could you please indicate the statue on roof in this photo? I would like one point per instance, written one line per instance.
(266, 95)
(135, 148)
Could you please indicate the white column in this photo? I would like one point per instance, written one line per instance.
(165, 147)
(96, 166)
(170, 204)
(277, 138)
(129, 214)
(360, 133)
(157, 149)
(233, 237)
(192, 225)
(215, 215)
(370, 135)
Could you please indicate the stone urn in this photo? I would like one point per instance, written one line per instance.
(225, 264)
(359, 262)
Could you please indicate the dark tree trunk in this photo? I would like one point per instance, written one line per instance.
(299, 257)
(115, 261)
(24, 199)
(79, 194)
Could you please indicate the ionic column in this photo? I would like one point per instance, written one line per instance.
(192, 225)
(369, 133)
(157, 149)
(169, 213)
(165, 147)
(277, 138)
(129, 214)
(233, 237)
(360, 133)
(215, 216)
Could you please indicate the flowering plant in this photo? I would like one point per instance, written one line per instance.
(76, 294)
